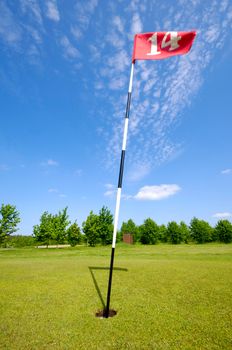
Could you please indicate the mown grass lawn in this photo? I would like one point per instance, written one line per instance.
(170, 297)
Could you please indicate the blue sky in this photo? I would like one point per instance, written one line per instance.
(64, 75)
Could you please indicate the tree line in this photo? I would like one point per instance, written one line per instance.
(97, 229)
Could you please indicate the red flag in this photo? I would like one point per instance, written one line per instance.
(160, 45)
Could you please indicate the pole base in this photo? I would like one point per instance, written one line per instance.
(102, 313)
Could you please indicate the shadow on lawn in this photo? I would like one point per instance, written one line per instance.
(91, 269)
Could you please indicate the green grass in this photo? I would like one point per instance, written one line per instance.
(170, 297)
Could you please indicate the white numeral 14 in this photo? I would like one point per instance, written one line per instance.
(173, 42)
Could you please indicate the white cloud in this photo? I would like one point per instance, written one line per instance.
(57, 192)
(52, 11)
(126, 196)
(136, 26)
(222, 215)
(35, 34)
(110, 190)
(119, 62)
(78, 172)
(23, 34)
(32, 7)
(70, 51)
(53, 190)
(157, 192)
(117, 21)
(95, 53)
(139, 171)
(169, 85)
(84, 11)
(115, 40)
(50, 162)
(110, 193)
(226, 171)
(145, 193)
(224, 4)
(4, 167)
(109, 186)
(10, 31)
(77, 33)
(212, 33)
(117, 83)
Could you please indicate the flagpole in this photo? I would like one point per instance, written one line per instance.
(118, 199)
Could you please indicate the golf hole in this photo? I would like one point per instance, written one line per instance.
(102, 313)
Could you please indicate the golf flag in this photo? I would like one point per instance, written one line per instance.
(160, 45)
(147, 46)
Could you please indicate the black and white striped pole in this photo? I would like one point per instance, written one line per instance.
(118, 199)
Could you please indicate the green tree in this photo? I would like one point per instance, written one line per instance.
(149, 232)
(185, 232)
(163, 233)
(105, 225)
(224, 231)
(44, 232)
(174, 233)
(52, 228)
(74, 235)
(130, 227)
(59, 226)
(91, 229)
(201, 231)
(19, 241)
(9, 219)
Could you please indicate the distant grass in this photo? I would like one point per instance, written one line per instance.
(171, 297)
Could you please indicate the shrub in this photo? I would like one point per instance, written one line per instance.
(149, 232)
(163, 233)
(201, 231)
(74, 235)
(185, 232)
(174, 233)
(224, 231)
(20, 241)
(91, 229)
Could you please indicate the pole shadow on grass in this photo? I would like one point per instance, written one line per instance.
(91, 269)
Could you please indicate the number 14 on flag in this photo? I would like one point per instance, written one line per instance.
(172, 42)
(160, 45)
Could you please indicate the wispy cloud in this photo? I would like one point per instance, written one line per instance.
(50, 162)
(226, 171)
(110, 190)
(150, 193)
(164, 89)
(53, 190)
(84, 12)
(56, 192)
(223, 215)
(10, 30)
(70, 51)
(155, 193)
(78, 172)
(136, 26)
(22, 29)
(118, 23)
(52, 11)
(32, 8)
(4, 167)
(161, 90)
(138, 171)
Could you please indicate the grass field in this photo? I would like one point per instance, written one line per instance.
(170, 297)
